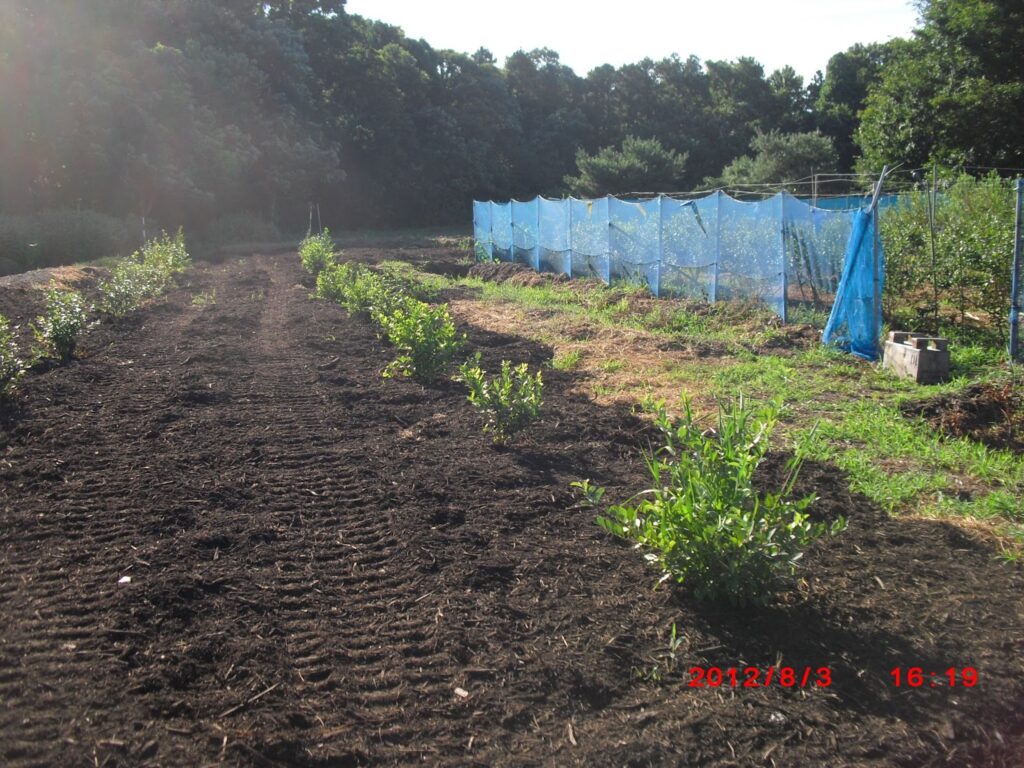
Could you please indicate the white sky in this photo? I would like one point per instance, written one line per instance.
(801, 33)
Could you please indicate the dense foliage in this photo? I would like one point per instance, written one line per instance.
(423, 335)
(204, 111)
(192, 110)
(144, 274)
(707, 525)
(317, 252)
(954, 93)
(967, 263)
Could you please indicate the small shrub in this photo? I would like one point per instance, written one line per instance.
(510, 400)
(131, 282)
(144, 274)
(167, 254)
(424, 336)
(67, 316)
(317, 252)
(707, 525)
(12, 367)
(334, 282)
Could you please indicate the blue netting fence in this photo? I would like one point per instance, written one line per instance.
(781, 251)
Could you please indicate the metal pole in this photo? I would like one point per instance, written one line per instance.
(931, 239)
(512, 228)
(1018, 234)
(718, 245)
(876, 309)
(569, 240)
(537, 236)
(661, 244)
(782, 231)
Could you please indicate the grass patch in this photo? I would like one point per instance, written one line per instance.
(901, 463)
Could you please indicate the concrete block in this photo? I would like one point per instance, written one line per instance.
(917, 356)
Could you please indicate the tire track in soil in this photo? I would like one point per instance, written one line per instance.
(328, 589)
(319, 556)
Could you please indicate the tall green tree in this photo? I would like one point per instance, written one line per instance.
(640, 165)
(955, 93)
(843, 95)
(781, 157)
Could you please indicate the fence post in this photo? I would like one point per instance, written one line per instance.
(1018, 234)
(490, 204)
(718, 245)
(568, 241)
(537, 245)
(661, 245)
(608, 234)
(512, 228)
(782, 230)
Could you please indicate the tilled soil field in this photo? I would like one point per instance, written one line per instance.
(225, 539)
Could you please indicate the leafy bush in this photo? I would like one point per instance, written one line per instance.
(144, 274)
(510, 400)
(12, 367)
(317, 252)
(424, 336)
(66, 317)
(130, 283)
(705, 522)
(334, 282)
(971, 270)
(168, 254)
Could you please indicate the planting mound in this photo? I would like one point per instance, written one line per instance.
(989, 414)
(514, 274)
(225, 539)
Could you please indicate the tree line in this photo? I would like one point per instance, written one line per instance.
(188, 111)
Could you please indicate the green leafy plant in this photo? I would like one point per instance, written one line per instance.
(510, 400)
(424, 336)
(317, 252)
(144, 274)
(131, 283)
(205, 299)
(66, 317)
(167, 254)
(703, 520)
(12, 367)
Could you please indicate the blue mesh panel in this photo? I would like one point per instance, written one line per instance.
(750, 264)
(634, 242)
(815, 243)
(524, 233)
(482, 244)
(781, 251)
(554, 236)
(690, 247)
(856, 319)
(501, 230)
(589, 241)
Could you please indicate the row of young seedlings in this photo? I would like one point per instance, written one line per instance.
(67, 314)
(424, 336)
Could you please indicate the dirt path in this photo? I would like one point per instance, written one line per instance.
(329, 568)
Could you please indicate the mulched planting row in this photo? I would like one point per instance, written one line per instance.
(225, 539)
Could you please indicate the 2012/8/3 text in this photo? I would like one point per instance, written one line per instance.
(756, 677)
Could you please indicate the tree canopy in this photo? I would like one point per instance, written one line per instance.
(191, 110)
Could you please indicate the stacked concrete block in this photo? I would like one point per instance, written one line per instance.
(925, 359)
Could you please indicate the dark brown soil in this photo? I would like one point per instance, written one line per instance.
(328, 568)
(988, 413)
